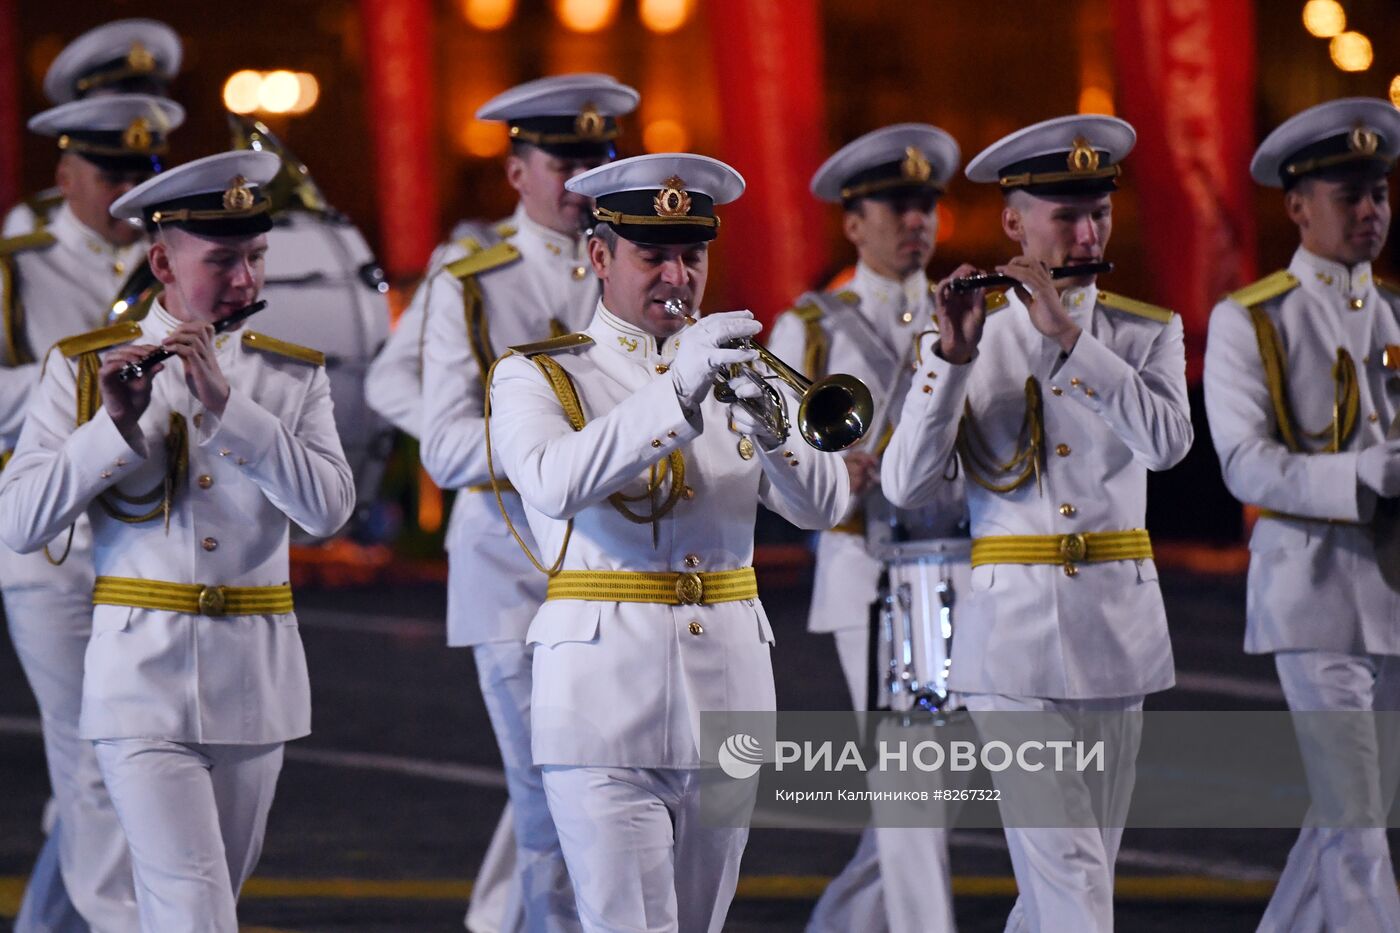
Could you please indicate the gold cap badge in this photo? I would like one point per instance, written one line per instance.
(137, 136)
(238, 197)
(1363, 140)
(590, 123)
(1082, 156)
(140, 60)
(915, 166)
(672, 200)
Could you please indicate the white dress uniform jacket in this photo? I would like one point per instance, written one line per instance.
(546, 277)
(1313, 585)
(1113, 409)
(272, 456)
(62, 289)
(623, 684)
(869, 328)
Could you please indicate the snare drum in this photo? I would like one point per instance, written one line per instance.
(914, 621)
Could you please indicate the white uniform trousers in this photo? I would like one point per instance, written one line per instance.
(495, 905)
(194, 817)
(49, 627)
(1338, 878)
(545, 895)
(899, 879)
(1064, 872)
(641, 858)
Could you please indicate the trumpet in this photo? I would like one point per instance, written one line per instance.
(832, 413)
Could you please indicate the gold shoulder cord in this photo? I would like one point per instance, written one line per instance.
(673, 466)
(817, 349)
(17, 352)
(177, 459)
(553, 568)
(478, 329)
(1346, 400)
(979, 461)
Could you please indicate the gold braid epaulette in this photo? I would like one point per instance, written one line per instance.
(979, 461)
(17, 349)
(1346, 395)
(465, 271)
(816, 347)
(253, 340)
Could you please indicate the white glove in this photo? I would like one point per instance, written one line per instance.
(700, 353)
(1378, 469)
(742, 421)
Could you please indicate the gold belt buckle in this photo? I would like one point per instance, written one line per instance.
(690, 589)
(1073, 548)
(212, 600)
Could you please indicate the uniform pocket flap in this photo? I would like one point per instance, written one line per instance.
(565, 621)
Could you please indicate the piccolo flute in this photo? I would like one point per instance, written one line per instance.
(139, 368)
(971, 283)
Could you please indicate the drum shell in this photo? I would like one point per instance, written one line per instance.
(914, 641)
(319, 294)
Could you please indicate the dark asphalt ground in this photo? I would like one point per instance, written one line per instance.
(384, 812)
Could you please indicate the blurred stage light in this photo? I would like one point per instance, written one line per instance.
(308, 92)
(1324, 18)
(1395, 91)
(1351, 51)
(482, 140)
(241, 91)
(664, 16)
(1096, 100)
(665, 135)
(275, 92)
(488, 15)
(279, 92)
(585, 15)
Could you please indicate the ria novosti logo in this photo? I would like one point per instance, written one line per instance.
(741, 756)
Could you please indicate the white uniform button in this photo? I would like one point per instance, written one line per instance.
(1063, 450)
(205, 481)
(662, 369)
(209, 544)
(655, 443)
(121, 461)
(696, 628)
(692, 560)
(1068, 511)
(105, 474)
(1056, 390)
(579, 272)
(224, 451)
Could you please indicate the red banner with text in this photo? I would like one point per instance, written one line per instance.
(1186, 75)
(398, 70)
(768, 58)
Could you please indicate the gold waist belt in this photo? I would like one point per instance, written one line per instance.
(193, 598)
(1086, 547)
(486, 487)
(669, 589)
(1270, 513)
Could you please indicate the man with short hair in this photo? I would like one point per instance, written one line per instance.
(888, 183)
(189, 472)
(518, 281)
(61, 282)
(1300, 391)
(126, 56)
(641, 490)
(1056, 398)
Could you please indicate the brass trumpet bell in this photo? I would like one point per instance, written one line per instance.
(832, 413)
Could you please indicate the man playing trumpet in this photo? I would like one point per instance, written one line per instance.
(1056, 398)
(641, 489)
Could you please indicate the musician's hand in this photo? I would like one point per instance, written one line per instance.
(701, 353)
(126, 402)
(194, 344)
(1038, 293)
(742, 421)
(960, 316)
(863, 469)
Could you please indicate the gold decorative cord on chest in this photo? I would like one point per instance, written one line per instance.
(1028, 459)
(1346, 400)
